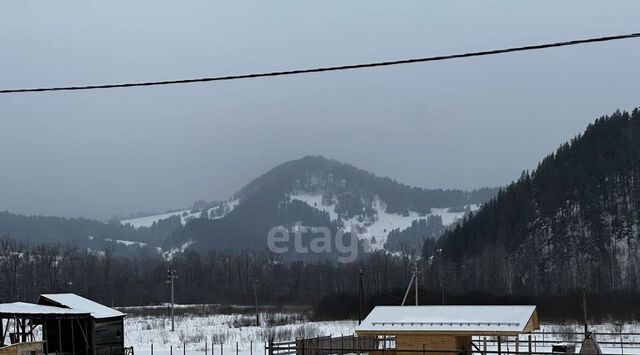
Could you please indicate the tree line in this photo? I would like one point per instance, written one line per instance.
(113, 278)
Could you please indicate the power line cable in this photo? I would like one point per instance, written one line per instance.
(327, 69)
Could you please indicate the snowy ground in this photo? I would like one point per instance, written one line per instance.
(231, 330)
(226, 331)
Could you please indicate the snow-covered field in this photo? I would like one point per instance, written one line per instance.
(380, 228)
(226, 331)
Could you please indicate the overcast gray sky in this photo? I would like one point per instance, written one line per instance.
(456, 124)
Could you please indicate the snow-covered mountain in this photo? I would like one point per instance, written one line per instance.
(317, 192)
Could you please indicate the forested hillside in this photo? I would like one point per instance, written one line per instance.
(572, 222)
(317, 192)
(82, 231)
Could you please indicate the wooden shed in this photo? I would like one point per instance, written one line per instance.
(444, 330)
(104, 326)
(70, 325)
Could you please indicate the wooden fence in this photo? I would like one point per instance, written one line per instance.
(536, 343)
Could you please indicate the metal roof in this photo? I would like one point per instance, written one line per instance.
(464, 319)
(81, 304)
(31, 310)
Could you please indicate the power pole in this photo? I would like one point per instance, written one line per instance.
(584, 311)
(414, 276)
(255, 296)
(415, 271)
(360, 296)
(171, 276)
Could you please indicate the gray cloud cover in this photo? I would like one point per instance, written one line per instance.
(463, 123)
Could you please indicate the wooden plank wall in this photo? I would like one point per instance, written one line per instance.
(22, 349)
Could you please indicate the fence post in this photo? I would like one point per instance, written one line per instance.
(236, 348)
(184, 348)
(251, 347)
(422, 349)
(529, 344)
(151, 348)
(499, 345)
(484, 345)
(221, 349)
(171, 349)
(518, 345)
(206, 351)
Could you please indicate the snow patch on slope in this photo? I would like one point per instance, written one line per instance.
(378, 228)
(150, 220)
(185, 215)
(125, 242)
(169, 254)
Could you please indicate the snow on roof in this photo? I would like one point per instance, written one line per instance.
(31, 309)
(78, 303)
(490, 319)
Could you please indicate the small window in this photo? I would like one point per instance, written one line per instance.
(386, 342)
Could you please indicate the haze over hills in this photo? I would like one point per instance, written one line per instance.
(317, 192)
(312, 191)
(572, 222)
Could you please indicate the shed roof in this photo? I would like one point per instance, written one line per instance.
(454, 319)
(78, 303)
(31, 310)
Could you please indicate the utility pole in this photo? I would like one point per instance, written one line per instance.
(255, 296)
(584, 311)
(171, 276)
(360, 296)
(414, 276)
(417, 274)
(415, 271)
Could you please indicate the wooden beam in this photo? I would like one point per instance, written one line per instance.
(73, 339)
(45, 337)
(24, 330)
(31, 328)
(83, 331)
(59, 336)
(4, 334)
(86, 329)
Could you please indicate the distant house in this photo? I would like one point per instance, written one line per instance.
(70, 324)
(446, 328)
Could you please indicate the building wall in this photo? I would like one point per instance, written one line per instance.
(33, 348)
(109, 337)
(451, 345)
